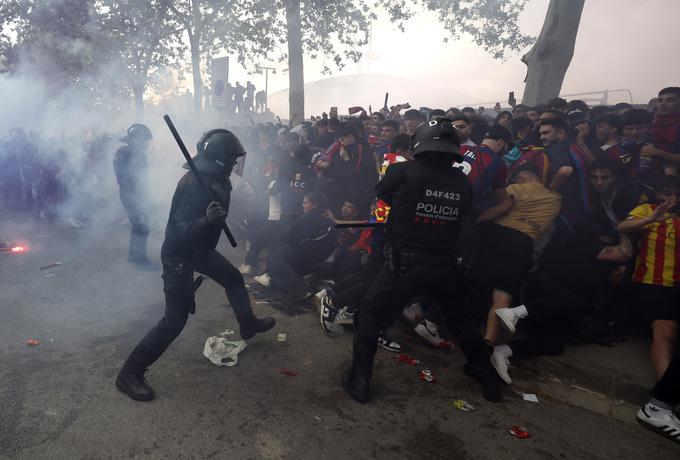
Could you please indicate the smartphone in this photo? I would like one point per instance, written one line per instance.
(511, 99)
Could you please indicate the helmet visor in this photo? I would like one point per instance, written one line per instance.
(239, 166)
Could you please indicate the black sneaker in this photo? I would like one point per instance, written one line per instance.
(134, 385)
(255, 326)
(357, 387)
(388, 344)
(492, 385)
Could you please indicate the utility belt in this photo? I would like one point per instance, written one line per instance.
(179, 284)
(401, 259)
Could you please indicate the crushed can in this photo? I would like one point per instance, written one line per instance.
(463, 406)
(426, 376)
(519, 432)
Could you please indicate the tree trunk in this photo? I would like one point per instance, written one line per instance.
(296, 78)
(139, 98)
(195, 43)
(548, 60)
(196, 72)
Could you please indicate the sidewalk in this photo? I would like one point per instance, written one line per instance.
(612, 381)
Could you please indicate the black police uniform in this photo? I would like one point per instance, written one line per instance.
(131, 166)
(428, 199)
(189, 245)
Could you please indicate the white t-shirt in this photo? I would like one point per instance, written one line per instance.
(274, 203)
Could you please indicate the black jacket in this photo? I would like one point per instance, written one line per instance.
(307, 228)
(188, 232)
(296, 180)
(132, 171)
(428, 199)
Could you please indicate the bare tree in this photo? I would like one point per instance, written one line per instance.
(548, 60)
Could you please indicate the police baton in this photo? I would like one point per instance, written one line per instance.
(198, 177)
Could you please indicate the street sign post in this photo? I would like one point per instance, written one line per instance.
(220, 78)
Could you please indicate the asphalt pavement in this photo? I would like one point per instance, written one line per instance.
(58, 399)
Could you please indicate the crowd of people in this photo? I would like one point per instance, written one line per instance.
(55, 176)
(244, 99)
(571, 236)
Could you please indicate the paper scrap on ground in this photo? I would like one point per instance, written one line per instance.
(530, 397)
(223, 352)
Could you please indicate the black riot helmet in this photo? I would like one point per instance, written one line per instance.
(218, 151)
(437, 136)
(137, 133)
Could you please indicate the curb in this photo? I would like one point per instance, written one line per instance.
(600, 390)
(590, 400)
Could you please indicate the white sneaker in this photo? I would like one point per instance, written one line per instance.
(327, 316)
(508, 319)
(245, 269)
(388, 344)
(413, 313)
(323, 293)
(664, 422)
(430, 332)
(344, 316)
(264, 279)
(501, 363)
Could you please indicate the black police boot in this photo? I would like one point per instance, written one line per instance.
(357, 387)
(133, 385)
(251, 326)
(492, 385)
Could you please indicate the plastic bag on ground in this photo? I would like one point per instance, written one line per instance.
(223, 352)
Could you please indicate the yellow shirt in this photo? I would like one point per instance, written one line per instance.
(658, 259)
(535, 208)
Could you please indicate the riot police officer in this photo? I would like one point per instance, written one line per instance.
(191, 235)
(131, 166)
(428, 199)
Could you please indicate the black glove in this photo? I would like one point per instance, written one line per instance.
(215, 212)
